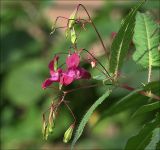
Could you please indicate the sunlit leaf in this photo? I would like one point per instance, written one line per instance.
(146, 40)
(122, 41)
(73, 35)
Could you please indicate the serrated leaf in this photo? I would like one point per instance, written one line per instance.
(147, 108)
(87, 116)
(143, 138)
(146, 41)
(122, 41)
(73, 35)
(154, 140)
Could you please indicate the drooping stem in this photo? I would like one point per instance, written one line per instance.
(81, 87)
(70, 111)
(98, 62)
(93, 25)
(148, 94)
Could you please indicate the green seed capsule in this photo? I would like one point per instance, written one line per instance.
(68, 134)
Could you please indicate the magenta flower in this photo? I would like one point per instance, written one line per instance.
(73, 72)
(54, 73)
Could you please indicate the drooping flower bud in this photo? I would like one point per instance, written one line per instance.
(55, 60)
(68, 134)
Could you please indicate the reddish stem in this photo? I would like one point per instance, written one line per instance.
(125, 86)
(93, 25)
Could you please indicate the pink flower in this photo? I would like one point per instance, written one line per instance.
(73, 72)
(54, 73)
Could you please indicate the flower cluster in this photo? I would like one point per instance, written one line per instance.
(65, 77)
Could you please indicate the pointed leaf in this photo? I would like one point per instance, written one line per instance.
(143, 138)
(147, 108)
(87, 116)
(122, 41)
(146, 40)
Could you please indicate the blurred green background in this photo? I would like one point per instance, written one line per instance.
(26, 49)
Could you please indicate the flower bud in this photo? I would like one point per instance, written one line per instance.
(55, 63)
(93, 64)
(68, 134)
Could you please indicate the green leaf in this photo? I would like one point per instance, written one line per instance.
(122, 41)
(143, 138)
(147, 108)
(73, 35)
(126, 102)
(146, 41)
(23, 83)
(154, 140)
(72, 18)
(131, 100)
(87, 116)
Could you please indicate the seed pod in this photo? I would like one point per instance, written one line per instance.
(51, 119)
(68, 134)
(45, 130)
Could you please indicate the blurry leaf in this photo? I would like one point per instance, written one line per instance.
(87, 116)
(144, 137)
(7, 115)
(73, 35)
(23, 83)
(122, 41)
(146, 40)
(147, 108)
(155, 139)
(24, 131)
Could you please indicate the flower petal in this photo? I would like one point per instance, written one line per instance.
(73, 61)
(66, 79)
(84, 74)
(47, 83)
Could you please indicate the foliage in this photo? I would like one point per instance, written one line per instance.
(142, 139)
(87, 116)
(122, 41)
(146, 40)
(131, 106)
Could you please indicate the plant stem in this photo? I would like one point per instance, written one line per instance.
(98, 62)
(70, 111)
(148, 94)
(93, 25)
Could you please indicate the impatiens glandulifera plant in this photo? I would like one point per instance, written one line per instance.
(138, 28)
